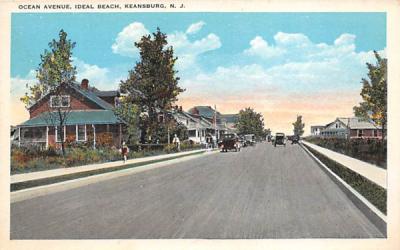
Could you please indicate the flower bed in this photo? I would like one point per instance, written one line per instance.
(30, 159)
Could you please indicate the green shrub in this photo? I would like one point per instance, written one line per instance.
(170, 148)
(369, 150)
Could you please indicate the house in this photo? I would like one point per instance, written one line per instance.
(354, 127)
(316, 130)
(87, 111)
(220, 122)
(198, 127)
(230, 121)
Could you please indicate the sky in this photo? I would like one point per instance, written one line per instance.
(280, 64)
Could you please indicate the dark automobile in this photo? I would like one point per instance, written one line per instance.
(229, 142)
(295, 139)
(279, 139)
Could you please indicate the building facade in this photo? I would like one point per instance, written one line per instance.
(351, 128)
(86, 115)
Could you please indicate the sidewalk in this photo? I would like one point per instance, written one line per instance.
(72, 170)
(369, 171)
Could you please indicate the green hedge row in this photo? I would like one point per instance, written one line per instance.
(371, 191)
(368, 150)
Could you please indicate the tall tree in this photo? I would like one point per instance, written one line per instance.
(374, 94)
(298, 126)
(129, 113)
(250, 122)
(155, 78)
(54, 70)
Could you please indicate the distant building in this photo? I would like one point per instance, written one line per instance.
(316, 130)
(354, 127)
(220, 122)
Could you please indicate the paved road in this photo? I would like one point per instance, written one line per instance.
(260, 192)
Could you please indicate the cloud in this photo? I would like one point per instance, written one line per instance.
(188, 51)
(260, 47)
(124, 43)
(103, 78)
(195, 27)
(291, 40)
(297, 47)
(20, 86)
(185, 49)
(345, 39)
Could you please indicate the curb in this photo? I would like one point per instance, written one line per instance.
(370, 211)
(42, 190)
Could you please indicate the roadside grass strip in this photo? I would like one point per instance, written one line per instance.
(51, 180)
(372, 192)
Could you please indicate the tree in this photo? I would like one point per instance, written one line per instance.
(374, 94)
(54, 73)
(154, 77)
(129, 113)
(250, 122)
(298, 126)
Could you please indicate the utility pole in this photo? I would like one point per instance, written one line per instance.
(215, 122)
(169, 141)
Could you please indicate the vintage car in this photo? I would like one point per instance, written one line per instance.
(280, 139)
(250, 139)
(229, 142)
(295, 139)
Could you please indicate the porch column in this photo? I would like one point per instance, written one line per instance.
(94, 136)
(47, 137)
(19, 136)
(76, 132)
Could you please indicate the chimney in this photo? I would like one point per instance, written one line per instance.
(85, 84)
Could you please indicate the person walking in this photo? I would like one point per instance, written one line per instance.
(177, 142)
(124, 151)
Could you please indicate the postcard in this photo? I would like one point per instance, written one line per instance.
(192, 125)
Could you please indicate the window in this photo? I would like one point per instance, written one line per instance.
(81, 132)
(360, 133)
(57, 101)
(58, 136)
(192, 133)
(375, 133)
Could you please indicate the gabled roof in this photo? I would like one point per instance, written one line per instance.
(230, 118)
(92, 96)
(318, 126)
(205, 111)
(358, 123)
(89, 94)
(74, 117)
(106, 93)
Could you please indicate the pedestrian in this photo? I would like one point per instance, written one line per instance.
(177, 143)
(124, 151)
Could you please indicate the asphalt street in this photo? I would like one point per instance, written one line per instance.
(260, 192)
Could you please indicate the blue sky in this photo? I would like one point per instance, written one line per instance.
(270, 61)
